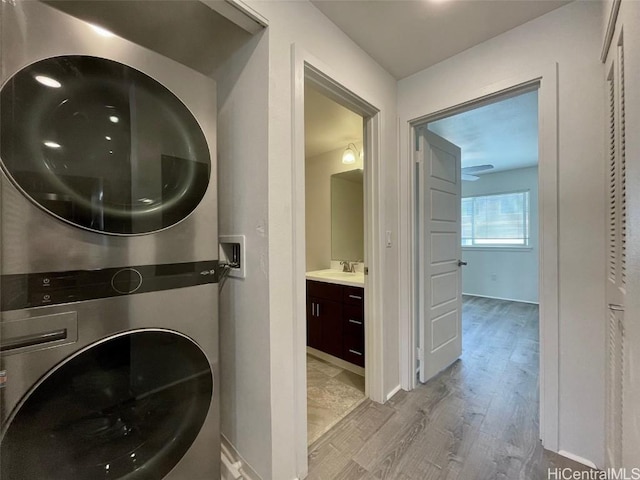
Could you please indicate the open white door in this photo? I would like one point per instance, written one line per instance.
(439, 277)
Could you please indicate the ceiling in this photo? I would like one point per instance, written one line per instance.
(328, 125)
(406, 36)
(192, 22)
(503, 134)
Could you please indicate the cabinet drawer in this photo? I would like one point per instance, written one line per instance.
(354, 349)
(353, 295)
(327, 291)
(353, 320)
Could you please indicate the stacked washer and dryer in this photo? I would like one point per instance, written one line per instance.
(109, 340)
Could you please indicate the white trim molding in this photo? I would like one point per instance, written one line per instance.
(239, 13)
(233, 466)
(611, 28)
(578, 459)
(500, 298)
(393, 392)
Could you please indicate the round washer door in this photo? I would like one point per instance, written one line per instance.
(102, 145)
(129, 407)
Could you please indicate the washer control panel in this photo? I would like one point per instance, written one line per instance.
(20, 291)
(127, 280)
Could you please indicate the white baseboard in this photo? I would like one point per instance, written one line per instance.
(578, 459)
(338, 362)
(500, 298)
(233, 466)
(393, 392)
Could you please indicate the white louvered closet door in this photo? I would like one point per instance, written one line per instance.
(616, 259)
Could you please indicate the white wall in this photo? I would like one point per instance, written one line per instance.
(301, 25)
(318, 171)
(245, 378)
(515, 270)
(570, 36)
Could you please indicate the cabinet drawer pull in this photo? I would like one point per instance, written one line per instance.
(351, 320)
(355, 296)
(355, 352)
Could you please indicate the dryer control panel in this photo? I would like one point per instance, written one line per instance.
(51, 288)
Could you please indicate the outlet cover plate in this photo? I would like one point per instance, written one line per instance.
(226, 241)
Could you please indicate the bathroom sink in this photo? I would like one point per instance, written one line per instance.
(337, 276)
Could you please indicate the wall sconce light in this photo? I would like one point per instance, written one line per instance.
(349, 155)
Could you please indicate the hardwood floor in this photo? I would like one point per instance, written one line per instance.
(477, 420)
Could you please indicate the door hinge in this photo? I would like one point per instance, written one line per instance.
(366, 270)
(419, 354)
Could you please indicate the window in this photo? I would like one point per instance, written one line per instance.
(496, 220)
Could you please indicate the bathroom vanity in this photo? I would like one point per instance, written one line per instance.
(335, 314)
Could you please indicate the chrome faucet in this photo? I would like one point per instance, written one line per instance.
(347, 266)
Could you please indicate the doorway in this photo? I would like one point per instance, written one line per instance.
(545, 83)
(335, 280)
(308, 70)
(490, 210)
(477, 187)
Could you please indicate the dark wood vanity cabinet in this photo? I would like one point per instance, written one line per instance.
(335, 320)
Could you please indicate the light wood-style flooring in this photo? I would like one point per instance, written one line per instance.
(477, 420)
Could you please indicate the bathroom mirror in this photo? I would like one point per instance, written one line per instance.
(347, 216)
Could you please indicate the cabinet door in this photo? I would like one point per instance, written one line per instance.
(330, 315)
(314, 324)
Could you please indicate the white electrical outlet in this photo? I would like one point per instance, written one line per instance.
(388, 238)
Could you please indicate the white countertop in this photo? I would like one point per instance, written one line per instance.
(337, 276)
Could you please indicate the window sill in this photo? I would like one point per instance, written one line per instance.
(498, 248)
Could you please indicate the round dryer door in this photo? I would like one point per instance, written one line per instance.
(128, 407)
(101, 145)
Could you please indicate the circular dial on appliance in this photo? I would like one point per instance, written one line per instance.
(127, 280)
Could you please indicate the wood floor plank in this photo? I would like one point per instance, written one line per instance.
(359, 427)
(352, 471)
(477, 420)
(391, 440)
(327, 463)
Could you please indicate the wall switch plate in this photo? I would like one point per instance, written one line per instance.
(388, 238)
(232, 250)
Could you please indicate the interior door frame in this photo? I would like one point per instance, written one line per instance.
(339, 88)
(544, 78)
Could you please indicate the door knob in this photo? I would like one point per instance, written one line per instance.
(461, 263)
